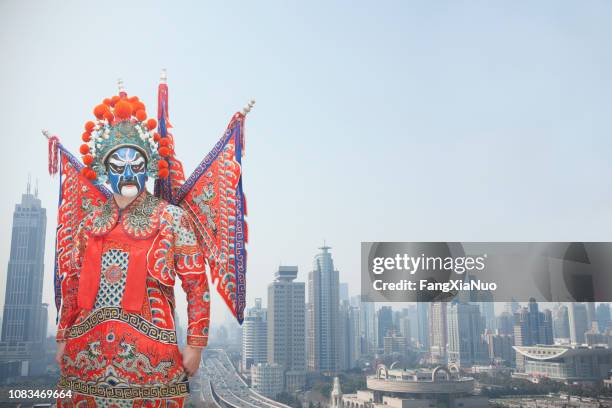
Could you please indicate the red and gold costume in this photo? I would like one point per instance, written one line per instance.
(116, 268)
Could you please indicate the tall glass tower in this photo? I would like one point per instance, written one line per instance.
(323, 314)
(25, 317)
(24, 322)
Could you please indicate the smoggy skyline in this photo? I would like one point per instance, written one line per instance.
(374, 122)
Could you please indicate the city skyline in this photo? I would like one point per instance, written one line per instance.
(410, 121)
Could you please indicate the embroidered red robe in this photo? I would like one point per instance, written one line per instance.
(117, 315)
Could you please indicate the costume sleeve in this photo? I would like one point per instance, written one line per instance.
(191, 268)
(70, 283)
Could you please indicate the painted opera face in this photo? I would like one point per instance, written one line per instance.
(127, 171)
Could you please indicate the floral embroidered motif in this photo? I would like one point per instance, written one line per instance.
(105, 218)
(140, 219)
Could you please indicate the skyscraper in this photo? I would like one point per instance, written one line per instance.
(578, 322)
(413, 317)
(286, 326)
(323, 329)
(343, 292)
(404, 325)
(385, 323)
(355, 342)
(367, 327)
(500, 348)
(531, 327)
(423, 325)
(487, 309)
(561, 329)
(437, 332)
(254, 337)
(24, 323)
(505, 324)
(603, 317)
(466, 345)
(350, 336)
(23, 309)
(591, 316)
(511, 307)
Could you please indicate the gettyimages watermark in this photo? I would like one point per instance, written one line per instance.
(486, 271)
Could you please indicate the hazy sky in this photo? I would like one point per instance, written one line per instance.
(390, 121)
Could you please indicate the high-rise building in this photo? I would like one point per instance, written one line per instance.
(466, 346)
(267, 379)
(344, 347)
(411, 313)
(367, 327)
(512, 307)
(591, 316)
(323, 307)
(546, 328)
(505, 324)
(578, 322)
(437, 332)
(487, 310)
(500, 348)
(385, 323)
(254, 337)
(355, 341)
(395, 343)
(404, 326)
(531, 327)
(24, 323)
(594, 338)
(23, 308)
(603, 317)
(350, 336)
(343, 292)
(423, 325)
(561, 331)
(286, 326)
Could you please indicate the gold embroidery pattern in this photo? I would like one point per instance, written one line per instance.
(146, 392)
(104, 314)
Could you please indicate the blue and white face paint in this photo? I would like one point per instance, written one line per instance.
(127, 171)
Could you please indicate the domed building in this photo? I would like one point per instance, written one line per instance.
(423, 388)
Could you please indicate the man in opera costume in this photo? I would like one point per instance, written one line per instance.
(120, 249)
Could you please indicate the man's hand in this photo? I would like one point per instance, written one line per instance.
(191, 359)
(61, 346)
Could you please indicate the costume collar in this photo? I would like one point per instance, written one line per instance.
(139, 220)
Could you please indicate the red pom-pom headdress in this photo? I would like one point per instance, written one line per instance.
(122, 122)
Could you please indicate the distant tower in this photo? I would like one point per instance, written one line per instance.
(254, 336)
(336, 394)
(531, 327)
(422, 325)
(385, 323)
(323, 314)
(437, 332)
(349, 349)
(367, 327)
(578, 322)
(603, 317)
(287, 325)
(465, 328)
(24, 322)
(512, 307)
(24, 316)
(561, 323)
